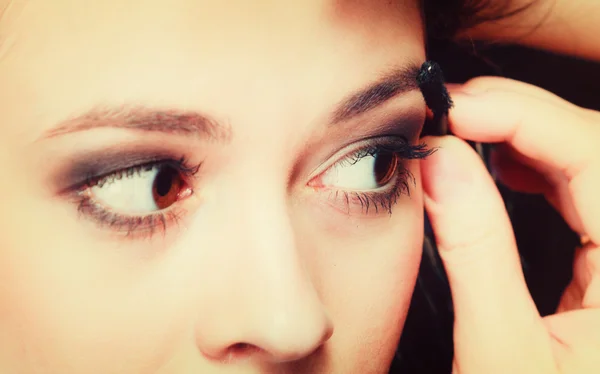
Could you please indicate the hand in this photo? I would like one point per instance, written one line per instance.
(563, 26)
(552, 147)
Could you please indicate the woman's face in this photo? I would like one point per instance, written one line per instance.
(207, 186)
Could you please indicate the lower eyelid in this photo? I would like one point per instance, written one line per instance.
(354, 203)
(373, 201)
(130, 226)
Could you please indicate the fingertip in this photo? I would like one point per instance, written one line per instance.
(473, 117)
(461, 197)
(452, 171)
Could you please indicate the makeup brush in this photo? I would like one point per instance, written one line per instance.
(433, 87)
(432, 84)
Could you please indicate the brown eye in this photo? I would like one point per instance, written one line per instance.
(386, 165)
(168, 187)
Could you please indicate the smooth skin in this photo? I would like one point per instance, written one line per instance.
(264, 273)
(497, 327)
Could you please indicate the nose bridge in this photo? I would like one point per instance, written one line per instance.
(271, 249)
(274, 306)
(271, 263)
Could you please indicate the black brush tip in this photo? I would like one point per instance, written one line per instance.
(432, 84)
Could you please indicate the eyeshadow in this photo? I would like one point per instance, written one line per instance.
(88, 165)
(408, 124)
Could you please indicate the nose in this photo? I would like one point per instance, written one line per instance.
(278, 336)
(265, 305)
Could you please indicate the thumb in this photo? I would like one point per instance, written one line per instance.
(497, 327)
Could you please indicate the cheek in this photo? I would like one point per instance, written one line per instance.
(367, 276)
(372, 295)
(73, 303)
(66, 318)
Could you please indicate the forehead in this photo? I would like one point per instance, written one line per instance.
(67, 55)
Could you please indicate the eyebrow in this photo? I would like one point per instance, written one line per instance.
(186, 123)
(398, 81)
(190, 123)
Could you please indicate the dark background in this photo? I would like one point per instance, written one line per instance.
(546, 243)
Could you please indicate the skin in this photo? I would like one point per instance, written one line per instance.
(561, 26)
(547, 146)
(263, 273)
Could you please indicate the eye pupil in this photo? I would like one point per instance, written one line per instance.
(385, 167)
(166, 187)
(164, 181)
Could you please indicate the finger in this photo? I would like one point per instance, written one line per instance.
(498, 83)
(586, 271)
(584, 289)
(518, 173)
(576, 340)
(497, 327)
(549, 134)
(494, 113)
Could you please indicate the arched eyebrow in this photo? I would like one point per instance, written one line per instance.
(398, 81)
(189, 123)
(140, 118)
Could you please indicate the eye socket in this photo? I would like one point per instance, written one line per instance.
(141, 190)
(373, 176)
(362, 171)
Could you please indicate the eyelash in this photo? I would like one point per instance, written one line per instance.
(401, 149)
(146, 225)
(160, 220)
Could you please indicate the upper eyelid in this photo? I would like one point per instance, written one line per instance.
(140, 167)
(99, 165)
(400, 80)
(402, 118)
(402, 121)
(349, 150)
